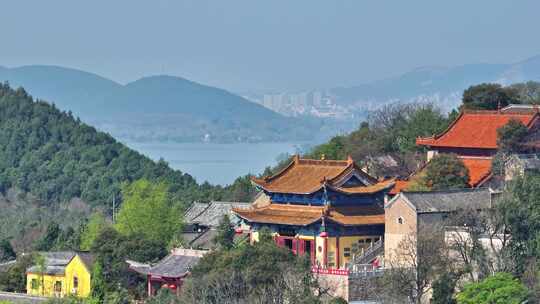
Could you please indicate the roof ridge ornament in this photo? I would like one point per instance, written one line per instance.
(350, 160)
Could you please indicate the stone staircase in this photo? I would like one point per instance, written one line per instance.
(369, 254)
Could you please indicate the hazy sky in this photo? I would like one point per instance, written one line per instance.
(274, 44)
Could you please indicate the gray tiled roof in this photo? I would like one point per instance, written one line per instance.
(205, 240)
(88, 259)
(194, 211)
(5, 266)
(56, 262)
(53, 270)
(172, 266)
(447, 201)
(210, 214)
(529, 161)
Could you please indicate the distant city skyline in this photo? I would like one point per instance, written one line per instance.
(260, 45)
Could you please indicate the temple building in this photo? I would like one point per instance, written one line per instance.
(473, 137)
(328, 210)
(170, 272)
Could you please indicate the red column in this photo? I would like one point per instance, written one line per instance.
(324, 235)
(314, 251)
(149, 281)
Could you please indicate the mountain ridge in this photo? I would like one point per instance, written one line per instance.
(203, 113)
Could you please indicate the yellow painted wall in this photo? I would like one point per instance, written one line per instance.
(77, 269)
(44, 286)
(344, 242)
(319, 255)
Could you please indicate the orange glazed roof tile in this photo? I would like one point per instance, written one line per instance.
(399, 186)
(382, 185)
(304, 176)
(302, 215)
(479, 172)
(476, 129)
(479, 169)
(282, 214)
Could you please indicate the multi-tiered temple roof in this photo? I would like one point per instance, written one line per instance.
(306, 176)
(307, 190)
(301, 215)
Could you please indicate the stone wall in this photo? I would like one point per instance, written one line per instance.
(400, 221)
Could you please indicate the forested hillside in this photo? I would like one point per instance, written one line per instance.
(56, 164)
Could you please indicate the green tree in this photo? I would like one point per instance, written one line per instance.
(251, 274)
(225, 233)
(14, 279)
(511, 135)
(528, 92)
(98, 284)
(6, 251)
(424, 120)
(338, 301)
(95, 225)
(49, 239)
(334, 149)
(149, 211)
(443, 289)
(242, 190)
(164, 296)
(488, 96)
(499, 288)
(520, 206)
(40, 262)
(112, 249)
(446, 171)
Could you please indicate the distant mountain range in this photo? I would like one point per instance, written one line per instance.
(158, 108)
(166, 108)
(442, 85)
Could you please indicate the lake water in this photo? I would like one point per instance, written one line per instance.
(217, 163)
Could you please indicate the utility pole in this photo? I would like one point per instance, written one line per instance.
(114, 208)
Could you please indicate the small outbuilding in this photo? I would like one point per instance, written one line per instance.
(170, 272)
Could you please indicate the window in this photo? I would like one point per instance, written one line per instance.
(331, 259)
(34, 284)
(57, 286)
(75, 282)
(400, 220)
(346, 252)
